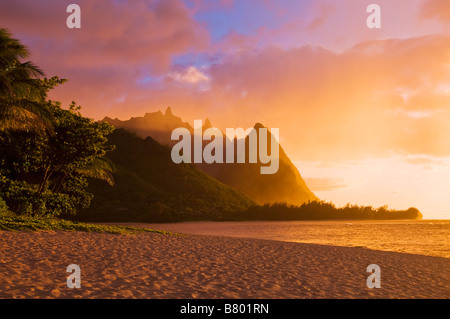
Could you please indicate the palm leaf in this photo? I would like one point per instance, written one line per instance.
(11, 49)
(21, 92)
(100, 168)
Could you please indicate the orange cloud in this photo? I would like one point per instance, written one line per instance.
(376, 98)
(439, 9)
(330, 105)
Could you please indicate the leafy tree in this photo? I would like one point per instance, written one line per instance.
(21, 91)
(76, 147)
(50, 170)
(44, 171)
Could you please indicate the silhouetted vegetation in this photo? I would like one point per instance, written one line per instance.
(286, 185)
(320, 210)
(53, 163)
(46, 153)
(21, 91)
(150, 187)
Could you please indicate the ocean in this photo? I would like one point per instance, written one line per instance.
(423, 237)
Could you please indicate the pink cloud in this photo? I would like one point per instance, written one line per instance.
(134, 32)
(324, 11)
(326, 104)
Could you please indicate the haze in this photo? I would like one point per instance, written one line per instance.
(365, 114)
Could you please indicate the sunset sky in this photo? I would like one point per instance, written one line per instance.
(363, 113)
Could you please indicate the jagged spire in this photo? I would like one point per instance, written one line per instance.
(207, 124)
(258, 126)
(169, 112)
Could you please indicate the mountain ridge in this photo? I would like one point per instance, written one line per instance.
(287, 185)
(149, 187)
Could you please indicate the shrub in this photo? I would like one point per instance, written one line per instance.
(20, 197)
(3, 206)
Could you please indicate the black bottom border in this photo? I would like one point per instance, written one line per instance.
(237, 308)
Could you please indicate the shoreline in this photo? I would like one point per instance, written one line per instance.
(375, 235)
(160, 266)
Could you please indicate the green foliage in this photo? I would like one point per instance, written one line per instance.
(17, 194)
(21, 198)
(47, 173)
(13, 222)
(21, 92)
(3, 207)
(46, 152)
(150, 187)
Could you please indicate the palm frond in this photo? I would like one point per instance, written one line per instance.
(21, 90)
(24, 70)
(19, 119)
(100, 168)
(11, 48)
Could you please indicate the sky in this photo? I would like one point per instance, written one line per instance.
(364, 113)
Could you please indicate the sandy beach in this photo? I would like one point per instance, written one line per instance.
(150, 265)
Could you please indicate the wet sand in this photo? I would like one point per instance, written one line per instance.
(33, 265)
(420, 237)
